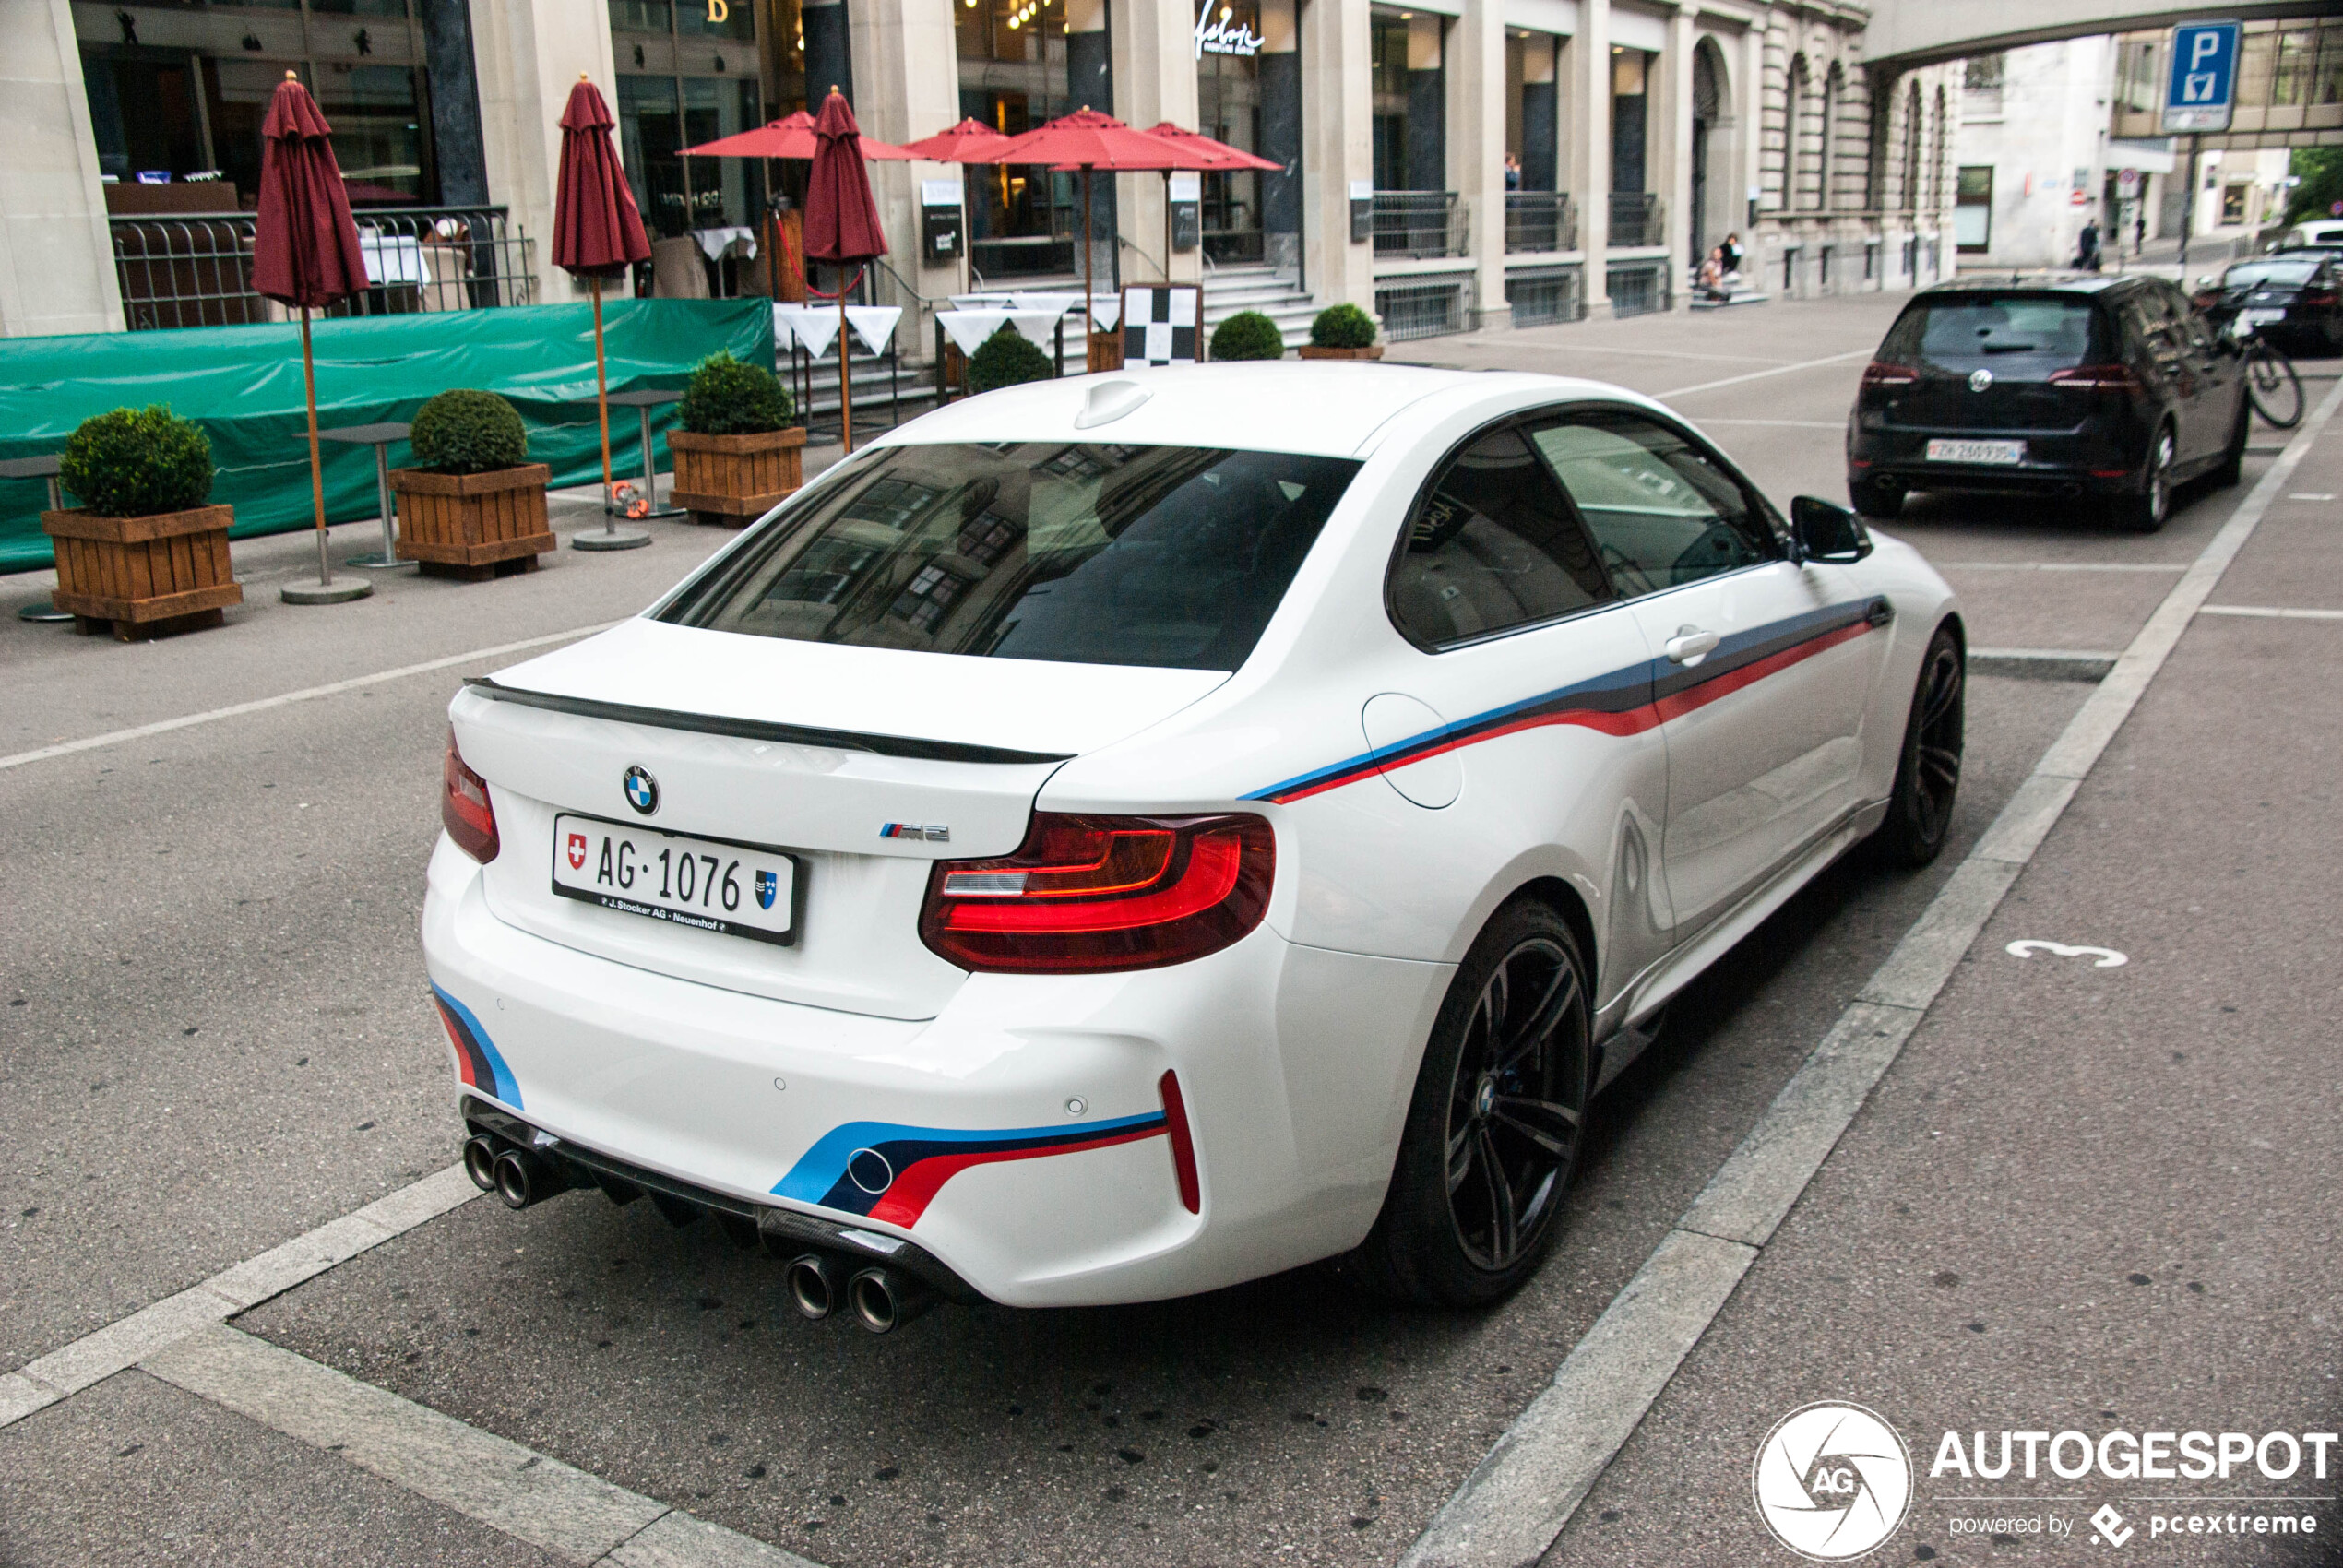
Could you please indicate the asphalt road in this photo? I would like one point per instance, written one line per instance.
(214, 1038)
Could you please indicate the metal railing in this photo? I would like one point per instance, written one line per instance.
(1636, 219)
(195, 269)
(1540, 220)
(1418, 224)
(1431, 308)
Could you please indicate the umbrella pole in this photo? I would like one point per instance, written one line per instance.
(1086, 271)
(845, 384)
(601, 401)
(317, 469)
(1167, 228)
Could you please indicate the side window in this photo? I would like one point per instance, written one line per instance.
(1492, 547)
(1661, 513)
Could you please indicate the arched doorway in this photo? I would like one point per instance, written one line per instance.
(1713, 164)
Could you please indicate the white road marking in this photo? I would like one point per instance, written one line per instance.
(498, 1482)
(2310, 495)
(2061, 566)
(307, 694)
(2101, 957)
(2271, 612)
(1517, 1502)
(1760, 374)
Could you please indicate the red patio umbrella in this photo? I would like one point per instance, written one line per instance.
(970, 141)
(1086, 139)
(841, 223)
(792, 136)
(597, 234)
(305, 253)
(1224, 159)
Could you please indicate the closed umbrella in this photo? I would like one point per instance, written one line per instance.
(789, 136)
(597, 235)
(305, 253)
(841, 223)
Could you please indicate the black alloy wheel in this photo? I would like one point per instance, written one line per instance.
(2147, 511)
(1494, 1128)
(1919, 810)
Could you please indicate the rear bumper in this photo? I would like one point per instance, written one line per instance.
(1018, 1138)
(2093, 460)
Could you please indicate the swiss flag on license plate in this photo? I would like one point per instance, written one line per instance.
(577, 851)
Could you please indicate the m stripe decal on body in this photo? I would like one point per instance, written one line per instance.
(890, 1172)
(1626, 702)
(477, 1061)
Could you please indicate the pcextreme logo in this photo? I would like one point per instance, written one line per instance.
(1832, 1481)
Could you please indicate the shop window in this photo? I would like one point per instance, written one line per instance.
(1973, 208)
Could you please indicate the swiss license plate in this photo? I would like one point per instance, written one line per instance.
(1976, 451)
(2261, 317)
(701, 883)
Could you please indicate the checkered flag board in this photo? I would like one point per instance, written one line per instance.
(1160, 325)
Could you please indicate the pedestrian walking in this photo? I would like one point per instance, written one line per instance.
(2087, 247)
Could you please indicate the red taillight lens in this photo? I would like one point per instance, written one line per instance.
(2206, 299)
(2316, 297)
(1879, 373)
(1175, 1122)
(464, 809)
(1086, 894)
(2097, 378)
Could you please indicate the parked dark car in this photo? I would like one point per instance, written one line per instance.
(2294, 298)
(2050, 384)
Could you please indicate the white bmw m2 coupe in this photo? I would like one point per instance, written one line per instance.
(1119, 837)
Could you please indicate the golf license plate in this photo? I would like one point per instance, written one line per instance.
(1977, 451)
(732, 889)
(2261, 317)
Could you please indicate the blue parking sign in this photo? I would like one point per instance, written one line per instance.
(2203, 86)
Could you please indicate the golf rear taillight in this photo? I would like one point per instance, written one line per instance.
(1086, 894)
(2316, 297)
(1879, 373)
(2096, 378)
(464, 808)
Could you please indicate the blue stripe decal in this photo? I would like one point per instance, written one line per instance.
(820, 1169)
(507, 1088)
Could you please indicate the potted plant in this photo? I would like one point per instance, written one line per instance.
(474, 505)
(1342, 332)
(143, 554)
(1248, 335)
(739, 452)
(1005, 359)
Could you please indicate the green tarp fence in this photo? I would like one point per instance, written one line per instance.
(243, 384)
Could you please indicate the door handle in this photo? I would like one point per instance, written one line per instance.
(1690, 646)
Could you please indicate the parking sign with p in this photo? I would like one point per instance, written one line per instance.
(2203, 84)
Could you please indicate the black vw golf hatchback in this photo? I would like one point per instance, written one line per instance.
(2053, 385)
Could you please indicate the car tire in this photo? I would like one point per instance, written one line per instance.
(1448, 1235)
(1920, 808)
(1873, 499)
(2146, 510)
(2232, 471)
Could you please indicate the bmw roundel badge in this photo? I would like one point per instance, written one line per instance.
(642, 791)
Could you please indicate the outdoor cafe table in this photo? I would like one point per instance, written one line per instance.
(39, 467)
(380, 437)
(643, 403)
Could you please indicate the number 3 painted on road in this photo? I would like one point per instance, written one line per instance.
(2104, 957)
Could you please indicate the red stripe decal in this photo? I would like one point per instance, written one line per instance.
(907, 1199)
(464, 1068)
(1676, 705)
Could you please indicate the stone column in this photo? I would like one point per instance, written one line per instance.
(1427, 103)
(1279, 65)
(910, 88)
(528, 55)
(1587, 77)
(57, 258)
(1671, 172)
(1338, 150)
(1539, 143)
(454, 100)
(1153, 44)
(829, 54)
(1476, 112)
(1090, 76)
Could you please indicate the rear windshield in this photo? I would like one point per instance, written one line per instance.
(2288, 272)
(2014, 333)
(1167, 556)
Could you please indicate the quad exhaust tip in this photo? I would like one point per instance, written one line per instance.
(816, 1285)
(480, 1161)
(523, 1178)
(884, 1300)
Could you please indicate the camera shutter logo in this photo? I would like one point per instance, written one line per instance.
(1832, 1482)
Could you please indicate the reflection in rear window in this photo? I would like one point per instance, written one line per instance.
(1964, 331)
(1166, 556)
(2288, 272)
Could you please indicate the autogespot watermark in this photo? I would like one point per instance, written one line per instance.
(1833, 1481)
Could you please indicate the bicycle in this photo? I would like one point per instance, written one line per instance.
(2271, 384)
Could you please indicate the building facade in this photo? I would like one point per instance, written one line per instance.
(1450, 165)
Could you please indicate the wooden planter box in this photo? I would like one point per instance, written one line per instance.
(473, 526)
(1312, 351)
(735, 478)
(1105, 351)
(167, 572)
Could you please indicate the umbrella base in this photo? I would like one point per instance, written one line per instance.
(43, 612)
(325, 593)
(376, 563)
(610, 539)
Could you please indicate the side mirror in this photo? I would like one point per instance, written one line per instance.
(1827, 532)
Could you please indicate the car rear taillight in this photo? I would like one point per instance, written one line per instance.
(1879, 373)
(464, 808)
(2097, 378)
(2206, 299)
(2316, 297)
(1086, 894)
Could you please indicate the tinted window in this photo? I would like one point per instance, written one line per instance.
(1661, 513)
(2287, 272)
(2020, 335)
(1092, 554)
(1491, 546)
